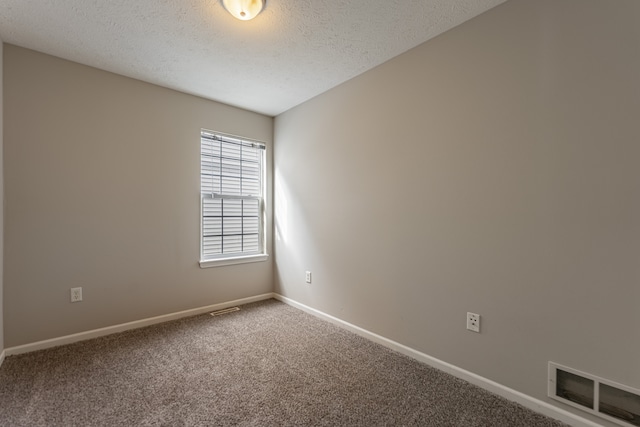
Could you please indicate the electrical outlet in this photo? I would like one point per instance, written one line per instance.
(308, 277)
(76, 294)
(473, 322)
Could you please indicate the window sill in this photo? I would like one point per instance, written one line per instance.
(233, 261)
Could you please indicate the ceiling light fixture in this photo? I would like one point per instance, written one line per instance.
(244, 10)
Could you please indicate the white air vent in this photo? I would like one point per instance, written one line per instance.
(225, 311)
(606, 399)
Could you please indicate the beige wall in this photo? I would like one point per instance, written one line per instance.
(493, 169)
(1, 207)
(102, 191)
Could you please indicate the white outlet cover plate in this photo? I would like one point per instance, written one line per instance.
(473, 322)
(76, 294)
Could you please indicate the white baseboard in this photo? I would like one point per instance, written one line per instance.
(68, 339)
(485, 383)
(2, 354)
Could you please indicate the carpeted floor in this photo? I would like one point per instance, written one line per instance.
(266, 365)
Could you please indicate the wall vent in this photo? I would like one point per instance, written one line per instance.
(224, 311)
(607, 399)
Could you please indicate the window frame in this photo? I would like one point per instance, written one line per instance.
(237, 257)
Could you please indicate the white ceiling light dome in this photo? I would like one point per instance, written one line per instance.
(244, 9)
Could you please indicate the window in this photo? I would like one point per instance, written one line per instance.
(232, 201)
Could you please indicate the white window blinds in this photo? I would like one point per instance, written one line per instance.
(231, 187)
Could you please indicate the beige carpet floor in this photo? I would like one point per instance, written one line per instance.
(266, 365)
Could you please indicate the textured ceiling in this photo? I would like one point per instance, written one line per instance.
(293, 51)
